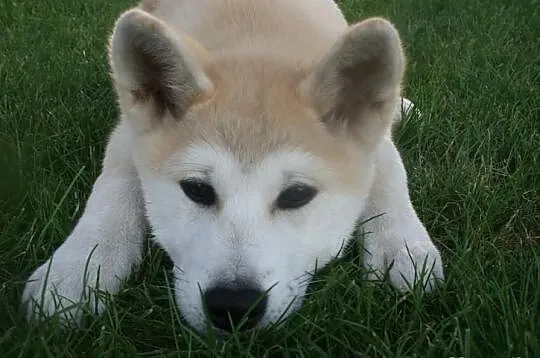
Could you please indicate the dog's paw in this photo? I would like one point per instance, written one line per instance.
(406, 266)
(69, 282)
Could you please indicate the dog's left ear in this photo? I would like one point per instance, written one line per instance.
(356, 85)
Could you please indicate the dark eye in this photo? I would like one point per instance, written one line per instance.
(199, 192)
(295, 196)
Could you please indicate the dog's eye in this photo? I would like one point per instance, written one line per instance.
(295, 196)
(199, 192)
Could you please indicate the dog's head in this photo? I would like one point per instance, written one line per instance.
(254, 171)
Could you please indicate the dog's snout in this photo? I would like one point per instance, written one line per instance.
(240, 308)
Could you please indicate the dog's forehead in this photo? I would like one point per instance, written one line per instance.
(254, 118)
(209, 160)
(256, 115)
(237, 144)
(258, 111)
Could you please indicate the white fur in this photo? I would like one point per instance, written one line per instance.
(408, 108)
(396, 239)
(107, 240)
(245, 238)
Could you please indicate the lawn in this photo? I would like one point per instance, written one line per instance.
(472, 158)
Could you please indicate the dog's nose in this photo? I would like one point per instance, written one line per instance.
(227, 307)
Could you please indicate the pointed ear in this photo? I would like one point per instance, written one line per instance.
(155, 70)
(357, 83)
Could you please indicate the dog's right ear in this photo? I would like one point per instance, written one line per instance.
(156, 71)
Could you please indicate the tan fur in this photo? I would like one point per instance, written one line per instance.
(268, 118)
(273, 82)
(250, 95)
(267, 26)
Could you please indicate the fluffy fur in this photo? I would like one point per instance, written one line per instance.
(251, 96)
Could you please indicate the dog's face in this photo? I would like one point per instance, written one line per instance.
(254, 172)
(263, 226)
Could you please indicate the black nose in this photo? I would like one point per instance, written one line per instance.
(227, 307)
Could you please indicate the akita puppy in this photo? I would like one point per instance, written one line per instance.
(254, 135)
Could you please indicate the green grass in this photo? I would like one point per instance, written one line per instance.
(472, 158)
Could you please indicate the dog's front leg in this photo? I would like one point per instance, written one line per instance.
(396, 241)
(103, 247)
